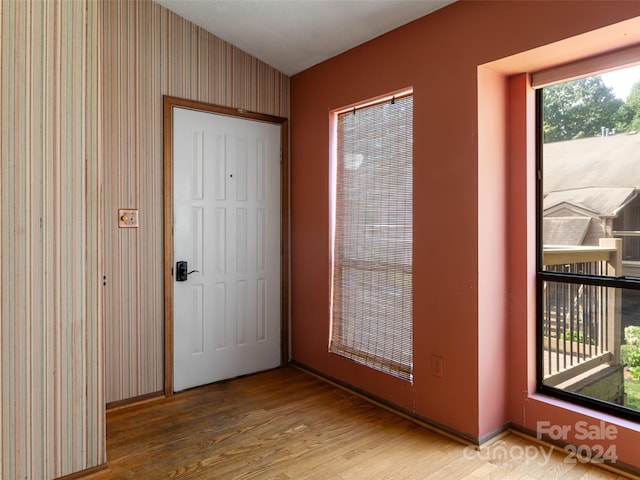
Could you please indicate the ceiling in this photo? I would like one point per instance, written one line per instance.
(293, 35)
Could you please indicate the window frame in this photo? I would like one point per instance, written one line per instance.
(542, 276)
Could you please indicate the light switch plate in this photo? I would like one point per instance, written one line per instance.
(128, 218)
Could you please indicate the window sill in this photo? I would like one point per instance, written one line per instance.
(572, 409)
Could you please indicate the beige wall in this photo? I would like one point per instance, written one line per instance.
(81, 91)
(150, 52)
(51, 357)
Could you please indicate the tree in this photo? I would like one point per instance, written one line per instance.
(580, 108)
(630, 111)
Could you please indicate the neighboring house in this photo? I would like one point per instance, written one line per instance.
(591, 192)
(591, 188)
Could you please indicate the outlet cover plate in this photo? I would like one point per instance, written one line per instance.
(437, 366)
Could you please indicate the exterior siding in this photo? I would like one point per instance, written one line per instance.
(564, 212)
(51, 356)
(597, 230)
(151, 52)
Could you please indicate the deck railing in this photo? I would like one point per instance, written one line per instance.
(580, 322)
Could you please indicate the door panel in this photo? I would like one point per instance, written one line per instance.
(226, 190)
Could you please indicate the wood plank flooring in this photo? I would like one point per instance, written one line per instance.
(287, 424)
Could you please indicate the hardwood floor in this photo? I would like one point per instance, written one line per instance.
(287, 424)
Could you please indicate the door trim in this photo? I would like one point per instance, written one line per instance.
(168, 104)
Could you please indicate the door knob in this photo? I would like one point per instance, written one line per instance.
(182, 271)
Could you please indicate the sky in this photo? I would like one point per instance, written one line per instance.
(621, 81)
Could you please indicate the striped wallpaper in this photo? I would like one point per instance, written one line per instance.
(150, 52)
(81, 102)
(51, 341)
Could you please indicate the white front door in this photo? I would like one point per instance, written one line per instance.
(226, 226)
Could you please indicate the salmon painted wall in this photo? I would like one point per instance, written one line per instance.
(472, 227)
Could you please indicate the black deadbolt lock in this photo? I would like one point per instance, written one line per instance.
(182, 271)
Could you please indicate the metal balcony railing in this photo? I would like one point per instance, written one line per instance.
(580, 322)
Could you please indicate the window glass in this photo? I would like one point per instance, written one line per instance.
(372, 277)
(589, 257)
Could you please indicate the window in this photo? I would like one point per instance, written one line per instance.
(588, 248)
(371, 320)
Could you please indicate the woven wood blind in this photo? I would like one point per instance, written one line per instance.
(372, 278)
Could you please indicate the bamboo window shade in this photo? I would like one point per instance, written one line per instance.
(372, 270)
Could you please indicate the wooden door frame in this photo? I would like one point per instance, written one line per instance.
(168, 104)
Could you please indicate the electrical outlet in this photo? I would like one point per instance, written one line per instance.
(437, 366)
(128, 218)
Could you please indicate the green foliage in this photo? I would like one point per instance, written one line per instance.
(630, 353)
(578, 336)
(581, 108)
(633, 100)
(629, 114)
(632, 390)
(632, 335)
